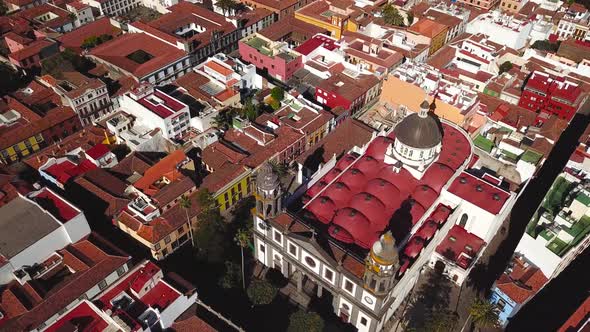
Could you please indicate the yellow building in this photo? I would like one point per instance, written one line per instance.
(237, 189)
(435, 31)
(21, 149)
(511, 6)
(333, 17)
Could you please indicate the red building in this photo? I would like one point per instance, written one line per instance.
(554, 95)
(351, 93)
(275, 57)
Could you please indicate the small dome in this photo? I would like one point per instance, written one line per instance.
(420, 132)
(384, 251)
(266, 179)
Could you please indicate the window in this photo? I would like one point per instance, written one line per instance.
(501, 304)
(348, 285)
(240, 186)
(292, 249)
(121, 271)
(102, 284)
(167, 239)
(262, 248)
(157, 246)
(278, 237)
(328, 274)
(310, 262)
(363, 321)
(463, 220)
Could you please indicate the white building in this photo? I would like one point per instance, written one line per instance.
(88, 97)
(155, 109)
(412, 45)
(136, 136)
(501, 28)
(553, 240)
(112, 7)
(33, 227)
(82, 11)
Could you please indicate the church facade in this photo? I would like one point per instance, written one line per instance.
(363, 230)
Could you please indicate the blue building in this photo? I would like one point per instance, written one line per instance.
(515, 287)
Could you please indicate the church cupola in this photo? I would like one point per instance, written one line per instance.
(268, 192)
(418, 141)
(381, 265)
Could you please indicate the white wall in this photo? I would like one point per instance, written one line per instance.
(535, 251)
(176, 308)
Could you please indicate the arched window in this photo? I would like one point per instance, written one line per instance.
(463, 220)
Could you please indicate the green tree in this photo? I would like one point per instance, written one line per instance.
(186, 204)
(232, 276)
(261, 292)
(226, 6)
(484, 314)
(392, 16)
(280, 168)
(506, 66)
(210, 232)
(277, 93)
(301, 321)
(249, 110)
(3, 8)
(440, 321)
(242, 239)
(545, 45)
(90, 42)
(275, 104)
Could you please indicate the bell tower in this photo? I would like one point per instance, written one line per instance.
(381, 265)
(268, 193)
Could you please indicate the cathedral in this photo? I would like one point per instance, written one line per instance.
(364, 228)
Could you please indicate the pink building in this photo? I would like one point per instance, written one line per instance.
(275, 57)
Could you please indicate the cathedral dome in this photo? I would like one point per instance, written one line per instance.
(419, 130)
(267, 179)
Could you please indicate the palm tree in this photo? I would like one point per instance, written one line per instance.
(226, 5)
(484, 314)
(186, 204)
(242, 238)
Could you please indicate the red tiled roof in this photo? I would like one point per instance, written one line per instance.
(116, 51)
(523, 282)
(33, 48)
(74, 39)
(290, 27)
(479, 192)
(65, 170)
(460, 246)
(315, 42)
(428, 28)
(191, 324)
(577, 319)
(101, 264)
(86, 317)
(98, 151)
(167, 167)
